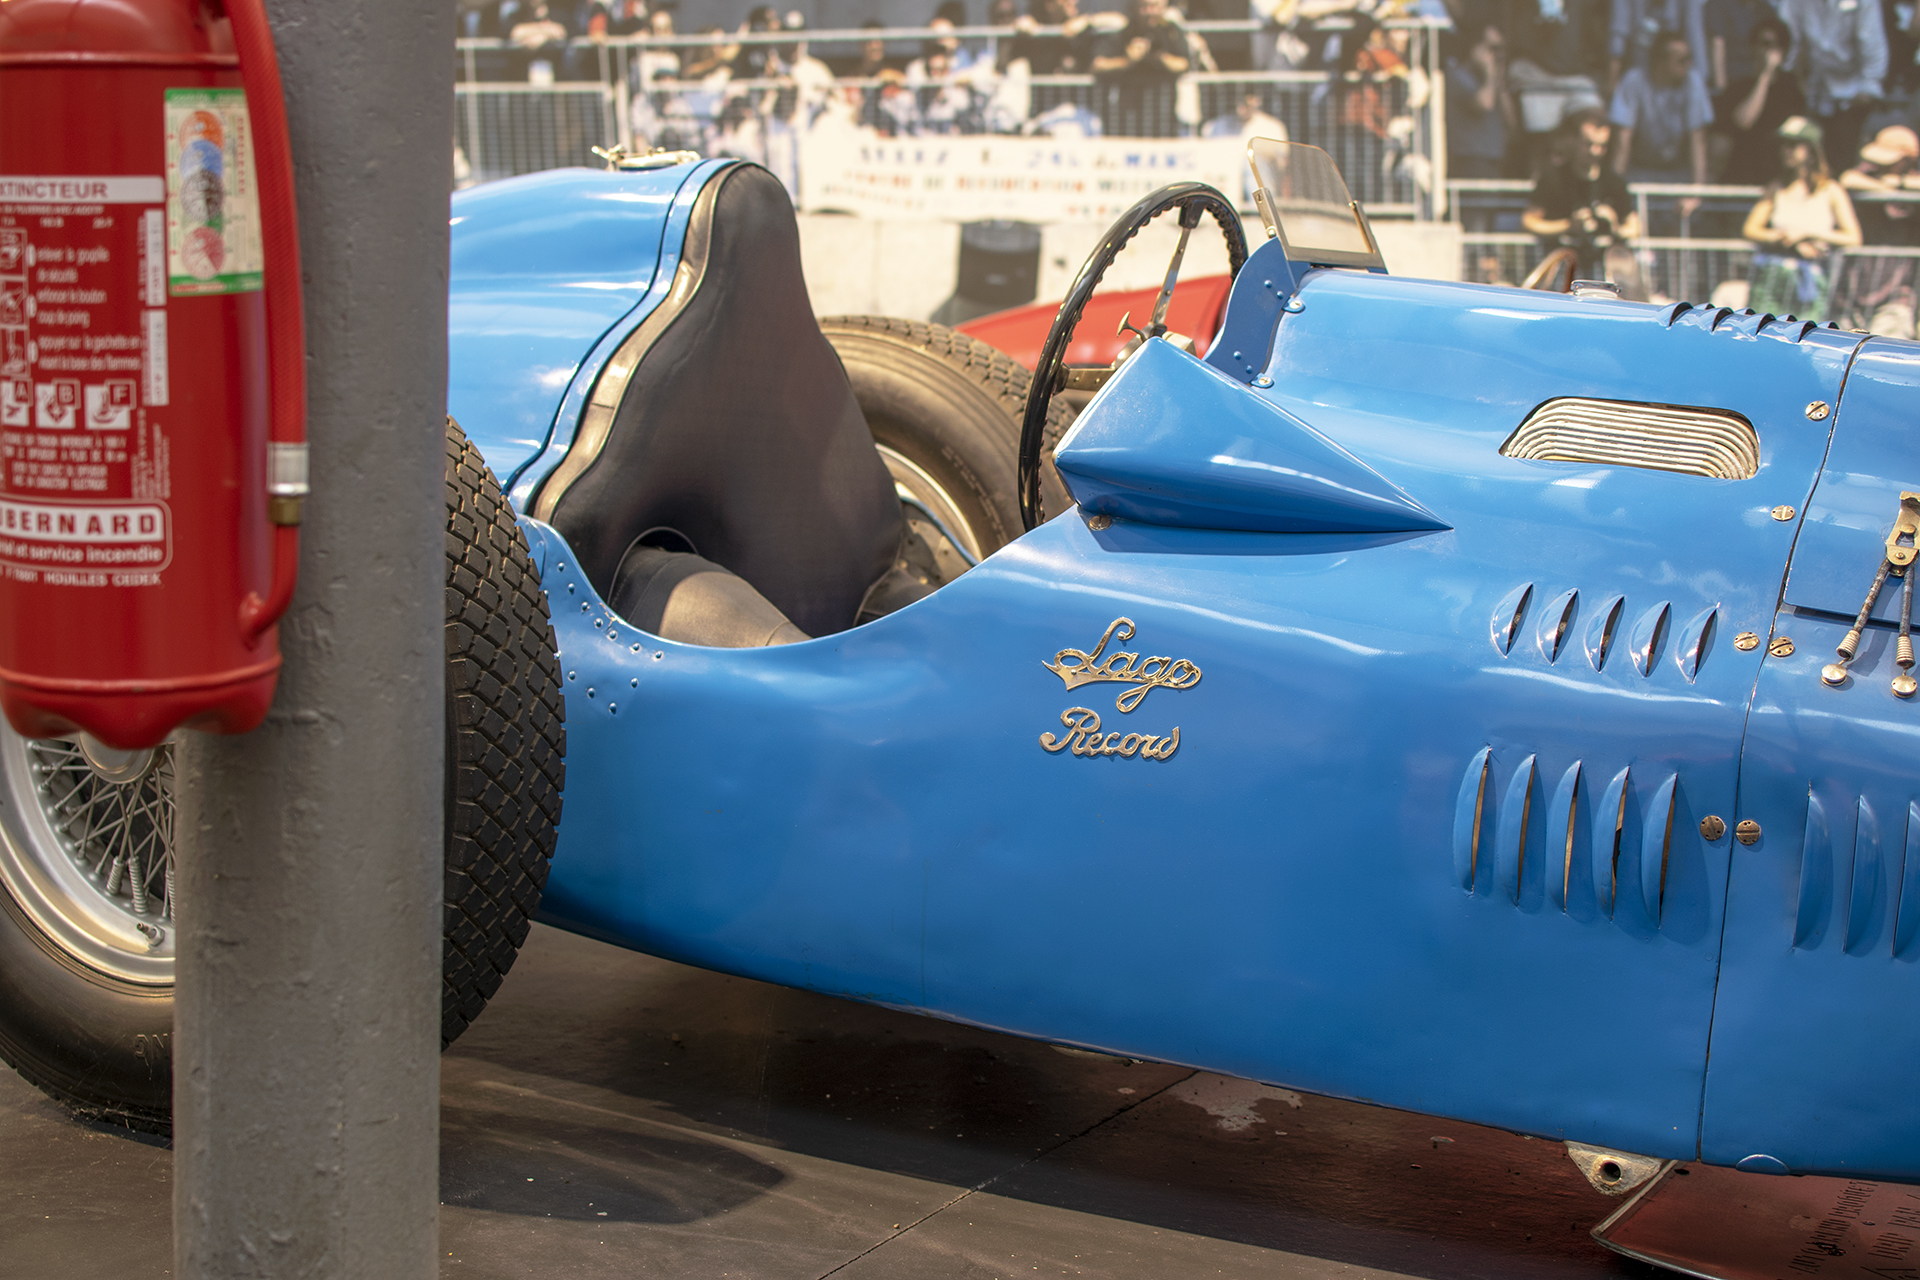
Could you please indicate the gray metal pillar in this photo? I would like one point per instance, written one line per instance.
(306, 1040)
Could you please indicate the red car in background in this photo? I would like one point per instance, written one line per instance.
(1022, 331)
(1195, 311)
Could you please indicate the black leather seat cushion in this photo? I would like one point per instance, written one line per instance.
(737, 428)
(683, 597)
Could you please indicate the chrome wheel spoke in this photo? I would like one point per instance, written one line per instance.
(121, 833)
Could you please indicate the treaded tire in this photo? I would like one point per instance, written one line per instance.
(952, 404)
(506, 738)
(103, 1046)
(98, 1044)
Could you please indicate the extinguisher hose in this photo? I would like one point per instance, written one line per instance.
(286, 325)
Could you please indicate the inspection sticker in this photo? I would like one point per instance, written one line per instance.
(213, 201)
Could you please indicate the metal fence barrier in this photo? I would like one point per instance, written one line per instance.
(1705, 259)
(503, 129)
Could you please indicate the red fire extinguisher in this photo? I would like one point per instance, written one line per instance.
(152, 392)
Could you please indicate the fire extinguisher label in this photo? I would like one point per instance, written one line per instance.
(85, 476)
(213, 203)
(83, 536)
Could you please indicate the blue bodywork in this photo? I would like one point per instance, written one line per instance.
(1391, 783)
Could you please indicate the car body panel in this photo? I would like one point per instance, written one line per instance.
(1817, 1001)
(874, 815)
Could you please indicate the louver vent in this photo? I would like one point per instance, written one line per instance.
(1695, 442)
(1609, 844)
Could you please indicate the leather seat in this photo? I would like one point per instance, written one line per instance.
(725, 426)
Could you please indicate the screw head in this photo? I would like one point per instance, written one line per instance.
(1748, 832)
(1746, 640)
(1783, 513)
(1712, 827)
(1782, 647)
(1834, 673)
(1263, 381)
(1904, 685)
(1097, 523)
(1818, 411)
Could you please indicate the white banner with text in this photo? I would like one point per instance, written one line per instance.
(968, 179)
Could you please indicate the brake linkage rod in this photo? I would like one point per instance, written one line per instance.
(1897, 561)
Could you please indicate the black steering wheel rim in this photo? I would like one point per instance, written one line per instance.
(1049, 376)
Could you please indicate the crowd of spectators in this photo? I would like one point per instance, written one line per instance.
(1137, 59)
(1696, 89)
(1808, 99)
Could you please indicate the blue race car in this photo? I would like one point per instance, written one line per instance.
(1471, 700)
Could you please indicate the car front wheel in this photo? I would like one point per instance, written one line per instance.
(86, 839)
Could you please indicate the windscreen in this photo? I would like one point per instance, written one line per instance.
(1304, 196)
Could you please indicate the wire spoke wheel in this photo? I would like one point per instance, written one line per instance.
(87, 883)
(120, 828)
(88, 850)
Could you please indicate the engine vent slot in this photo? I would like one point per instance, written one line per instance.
(1609, 846)
(1657, 437)
(1747, 323)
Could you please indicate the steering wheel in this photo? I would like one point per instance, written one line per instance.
(1053, 374)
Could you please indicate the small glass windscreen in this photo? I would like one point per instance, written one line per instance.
(1303, 193)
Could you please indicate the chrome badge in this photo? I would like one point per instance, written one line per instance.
(1076, 667)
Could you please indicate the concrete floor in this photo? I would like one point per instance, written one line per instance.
(617, 1115)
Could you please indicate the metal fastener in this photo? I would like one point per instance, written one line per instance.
(1783, 513)
(1263, 381)
(1834, 673)
(1746, 640)
(1818, 410)
(1712, 827)
(1904, 685)
(1781, 647)
(1748, 832)
(1097, 523)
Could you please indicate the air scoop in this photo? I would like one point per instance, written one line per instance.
(1170, 440)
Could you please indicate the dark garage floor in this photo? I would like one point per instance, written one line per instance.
(617, 1115)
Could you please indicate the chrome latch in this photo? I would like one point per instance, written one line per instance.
(619, 159)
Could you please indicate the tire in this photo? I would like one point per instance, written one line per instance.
(86, 972)
(506, 738)
(86, 1009)
(947, 407)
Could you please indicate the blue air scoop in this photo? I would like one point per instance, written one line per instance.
(1170, 440)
